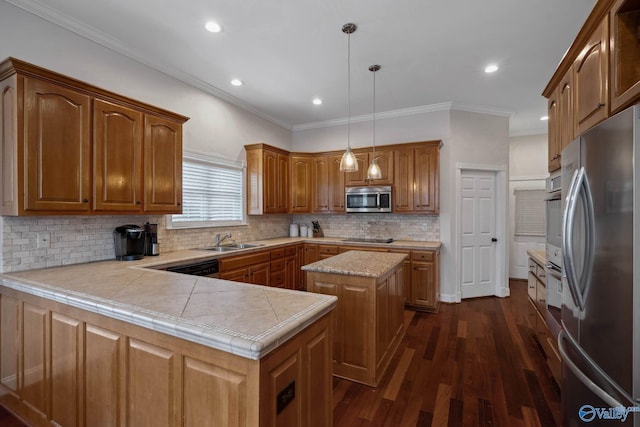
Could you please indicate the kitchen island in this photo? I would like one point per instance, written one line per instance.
(369, 320)
(114, 343)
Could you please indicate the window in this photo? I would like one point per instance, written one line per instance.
(530, 212)
(212, 194)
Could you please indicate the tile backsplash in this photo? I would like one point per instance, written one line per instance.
(79, 239)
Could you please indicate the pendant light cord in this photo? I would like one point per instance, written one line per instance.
(349, 91)
(374, 116)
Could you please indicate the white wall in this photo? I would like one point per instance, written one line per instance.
(528, 170)
(216, 126)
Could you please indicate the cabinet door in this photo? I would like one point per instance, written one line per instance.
(553, 110)
(290, 272)
(162, 165)
(591, 70)
(117, 157)
(625, 54)
(336, 185)
(282, 184)
(300, 274)
(300, 184)
(321, 184)
(565, 99)
(358, 177)
(260, 274)
(57, 146)
(426, 179)
(403, 181)
(238, 275)
(423, 282)
(270, 181)
(385, 163)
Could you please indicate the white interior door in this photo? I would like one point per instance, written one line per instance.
(478, 232)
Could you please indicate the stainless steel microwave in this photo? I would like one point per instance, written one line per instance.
(368, 199)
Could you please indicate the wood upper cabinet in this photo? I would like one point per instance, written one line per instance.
(385, 162)
(47, 141)
(162, 165)
(561, 120)
(553, 111)
(625, 54)
(300, 183)
(328, 188)
(267, 179)
(118, 134)
(591, 76)
(416, 179)
(57, 123)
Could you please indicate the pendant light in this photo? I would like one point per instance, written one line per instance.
(374, 171)
(348, 163)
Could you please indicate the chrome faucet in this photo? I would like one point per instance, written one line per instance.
(220, 239)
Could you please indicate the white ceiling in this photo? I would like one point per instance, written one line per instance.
(290, 51)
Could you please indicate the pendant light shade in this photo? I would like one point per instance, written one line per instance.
(374, 171)
(348, 163)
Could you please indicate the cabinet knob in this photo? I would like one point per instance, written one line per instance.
(137, 202)
(85, 200)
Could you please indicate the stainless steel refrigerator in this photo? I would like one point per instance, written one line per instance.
(600, 338)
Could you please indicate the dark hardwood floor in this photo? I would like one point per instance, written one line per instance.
(472, 364)
(477, 363)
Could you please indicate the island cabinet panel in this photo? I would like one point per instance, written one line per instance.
(203, 384)
(57, 124)
(66, 370)
(104, 384)
(368, 324)
(59, 368)
(118, 133)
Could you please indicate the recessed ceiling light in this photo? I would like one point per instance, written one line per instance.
(544, 118)
(492, 68)
(317, 101)
(236, 82)
(213, 27)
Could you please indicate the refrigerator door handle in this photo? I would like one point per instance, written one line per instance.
(567, 241)
(563, 337)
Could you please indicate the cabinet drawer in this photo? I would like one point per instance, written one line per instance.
(290, 251)
(331, 250)
(232, 263)
(277, 278)
(277, 253)
(277, 265)
(422, 256)
(541, 274)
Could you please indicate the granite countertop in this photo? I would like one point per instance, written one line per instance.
(357, 263)
(242, 319)
(540, 257)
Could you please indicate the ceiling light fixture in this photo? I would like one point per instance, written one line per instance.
(236, 82)
(348, 162)
(213, 27)
(492, 68)
(374, 171)
(317, 101)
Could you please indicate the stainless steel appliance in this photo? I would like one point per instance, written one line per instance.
(600, 340)
(151, 245)
(128, 241)
(368, 199)
(207, 268)
(554, 241)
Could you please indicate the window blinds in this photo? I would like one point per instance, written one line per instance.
(212, 194)
(530, 212)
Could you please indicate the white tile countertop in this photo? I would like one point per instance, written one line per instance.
(243, 319)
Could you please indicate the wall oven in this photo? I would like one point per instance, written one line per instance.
(554, 240)
(368, 199)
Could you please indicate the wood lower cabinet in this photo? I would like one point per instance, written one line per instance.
(84, 369)
(252, 268)
(425, 281)
(52, 124)
(368, 322)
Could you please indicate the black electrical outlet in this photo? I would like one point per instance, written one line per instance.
(285, 397)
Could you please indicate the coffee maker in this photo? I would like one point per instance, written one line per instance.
(151, 245)
(129, 242)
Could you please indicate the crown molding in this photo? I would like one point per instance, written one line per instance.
(47, 13)
(481, 109)
(529, 132)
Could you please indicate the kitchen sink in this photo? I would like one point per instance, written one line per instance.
(228, 248)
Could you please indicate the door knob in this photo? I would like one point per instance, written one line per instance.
(493, 239)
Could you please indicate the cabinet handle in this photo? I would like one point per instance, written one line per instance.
(137, 202)
(85, 200)
(600, 105)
